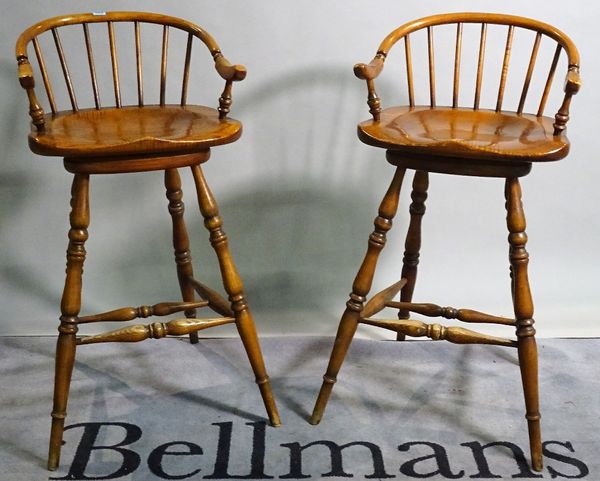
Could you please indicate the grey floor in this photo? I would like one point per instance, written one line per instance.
(416, 409)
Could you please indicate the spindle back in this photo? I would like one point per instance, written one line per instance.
(370, 71)
(226, 70)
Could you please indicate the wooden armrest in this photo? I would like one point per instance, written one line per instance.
(369, 71)
(229, 71)
(26, 75)
(573, 81)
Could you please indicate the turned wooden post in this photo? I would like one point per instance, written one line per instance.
(412, 245)
(181, 242)
(523, 305)
(234, 288)
(360, 289)
(70, 306)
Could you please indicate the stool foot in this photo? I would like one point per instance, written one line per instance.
(346, 330)
(247, 330)
(528, 364)
(264, 386)
(235, 290)
(360, 288)
(322, 400)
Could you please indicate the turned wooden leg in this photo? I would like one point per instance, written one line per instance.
(523, 304)
(233, 285)
(360, 288)
(181, 242)
(412, 245)
(70, 305)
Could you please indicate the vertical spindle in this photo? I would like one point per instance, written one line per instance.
(186, 70)
(138, 63)
(90, 55)
(480, 65)
(507, 50)
(549, 80)
(44, 72)
(115, 63)
(431, 67)
(534, 52)
(65, 70)
(457, 53)
(409, 73)
(163, 64)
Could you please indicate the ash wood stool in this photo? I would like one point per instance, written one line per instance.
(460, 141)
(136, 138)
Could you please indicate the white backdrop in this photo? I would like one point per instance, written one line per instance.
(298, 192)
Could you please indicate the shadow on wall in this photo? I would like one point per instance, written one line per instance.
(17, 190)
(298, 226)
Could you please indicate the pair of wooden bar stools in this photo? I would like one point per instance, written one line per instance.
(424, 138)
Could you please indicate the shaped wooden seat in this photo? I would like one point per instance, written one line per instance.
(465, 133)
(136, 138)
(460, 140)
(112, 132)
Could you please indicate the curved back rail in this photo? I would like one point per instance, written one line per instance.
(370, 71)
(226, 70)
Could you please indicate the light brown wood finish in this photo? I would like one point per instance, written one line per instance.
(523, 304)
(181, 242)
(380, 300)
(138, 64)
(90, 55)
(481, 59)
(111, 132)
(534, 52)
(235, 290)
(215, 301)
(437, 332)
(130, 313)
(360, 289)
(457, 54)
(137, 138)
(114, 63)
(486, 135)
(228, 71)
(412, 244)
(163, 64)
(430, 50)
(465, 315)
(44, 72)
(65, 69)
(69, 307)
(156, 330)
(458, 140)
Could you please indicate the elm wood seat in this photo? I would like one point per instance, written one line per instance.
(465, 133)
(457, 140)
(110, 132)
(137, 138)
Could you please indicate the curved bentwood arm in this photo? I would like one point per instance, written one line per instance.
(228, 71)
(370, 71)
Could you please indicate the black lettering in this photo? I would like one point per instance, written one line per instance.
(131, 459)
(580, 465)
(257, 458)
(441, 459)
(337, 463)
(156, 458)
(484, 468)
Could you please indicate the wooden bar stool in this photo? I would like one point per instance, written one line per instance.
(461, 141)
(136, 138)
